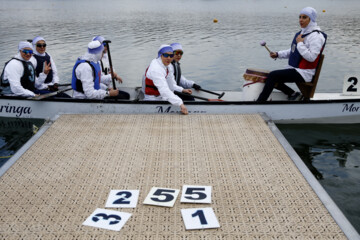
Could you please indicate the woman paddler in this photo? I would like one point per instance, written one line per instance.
(303, 56)
(18, 77)
(158, 84)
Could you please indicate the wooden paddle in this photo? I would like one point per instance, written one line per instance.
(50, 94)
(198, 97)
(220, 95)
(110, 62)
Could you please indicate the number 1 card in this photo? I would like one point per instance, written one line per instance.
(199, 218)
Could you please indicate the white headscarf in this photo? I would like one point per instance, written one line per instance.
(95, 51)
(34, 41)
(312, 14)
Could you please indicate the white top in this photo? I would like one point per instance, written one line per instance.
(309, 50)
(184, 82)
(13, 71)
(85, 74)
(165, 85)
(42, 75)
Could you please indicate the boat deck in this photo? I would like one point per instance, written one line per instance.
(259, 190)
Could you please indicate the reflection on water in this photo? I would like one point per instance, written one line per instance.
(332, 153)
(216, 54)
(14, 133)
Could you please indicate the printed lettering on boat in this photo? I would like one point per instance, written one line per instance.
(17, 110)
(350, 108)
(161, 109)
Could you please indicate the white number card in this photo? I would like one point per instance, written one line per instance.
(196, 194)
(107, 219)
(164, 197)
(199, 218)
(122, 199)
(351, 85)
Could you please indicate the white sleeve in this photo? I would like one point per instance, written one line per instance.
(54, 71)
(85, 73)
(171, 80)
(186, 83)
(160, 82)
(284, 54)
(311, 47)
(13, 71)
(106, 79)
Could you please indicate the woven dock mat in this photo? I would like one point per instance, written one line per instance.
(257, 191)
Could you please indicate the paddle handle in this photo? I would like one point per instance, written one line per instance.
(110, 63)
(220, 95)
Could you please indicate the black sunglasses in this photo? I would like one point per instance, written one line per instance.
(41, 45)
(166, 55)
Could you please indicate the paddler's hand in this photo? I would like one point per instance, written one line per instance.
(117, 77)
(299, 38)
(188, 91)
(274, 55)
(47, 67)
(113, 93)
(183, 109)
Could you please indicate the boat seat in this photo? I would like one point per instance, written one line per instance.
(308, 88)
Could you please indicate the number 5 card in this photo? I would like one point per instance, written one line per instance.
(196, 194)
(164, 197)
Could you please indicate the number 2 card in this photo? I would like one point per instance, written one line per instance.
(122, 199)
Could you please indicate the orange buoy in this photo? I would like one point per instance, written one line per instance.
(324, 11)
(215, 20)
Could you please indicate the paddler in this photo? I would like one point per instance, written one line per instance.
(45, 68)
(105, 68)
(18, 77)
(87, 78)
(180, 79)
(158, 84)
(303, 56)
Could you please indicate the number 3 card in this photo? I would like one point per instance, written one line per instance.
(196, 194)
(122, 199)
(199, 218)
(164, 197)
(107, 219)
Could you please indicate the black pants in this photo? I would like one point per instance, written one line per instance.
(121, 95)
(185, 97)
(280, 77)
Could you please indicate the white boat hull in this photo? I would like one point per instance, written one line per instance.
(320, 110)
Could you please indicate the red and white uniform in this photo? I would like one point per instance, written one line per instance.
(159, 74)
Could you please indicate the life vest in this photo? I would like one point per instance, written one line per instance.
(296, 60)
(76, 83)
(150, 88)
(177, 72)
(27, 80)
(40, 65)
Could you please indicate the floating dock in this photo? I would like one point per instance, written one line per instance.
(260, 187)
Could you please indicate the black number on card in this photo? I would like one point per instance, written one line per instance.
(116, 218)
(352, 87)
(192, 191)
(163, 192)
(200, 214)
(123, 198)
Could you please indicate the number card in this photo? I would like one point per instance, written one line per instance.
(199, 218)
(164, 197)
(351, 85)
(107, 219)
(122, 199)
(196, 194)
